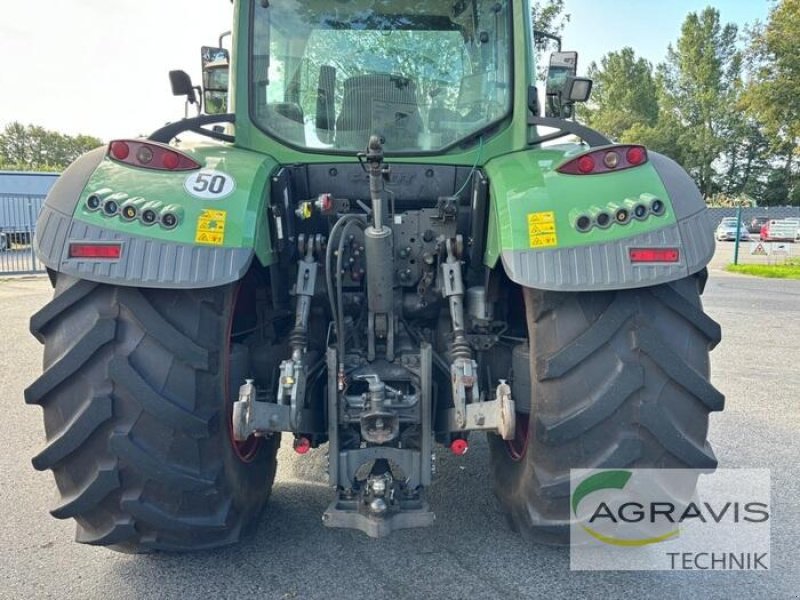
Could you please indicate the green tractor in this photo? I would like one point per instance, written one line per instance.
(389, 243)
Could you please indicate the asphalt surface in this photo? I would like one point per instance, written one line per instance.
(468, 553)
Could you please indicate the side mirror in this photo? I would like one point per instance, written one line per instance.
(578, 89)
(216, 72)
(562, 66)
(182, 86)
(564, 88)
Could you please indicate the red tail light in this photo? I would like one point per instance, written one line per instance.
(96, 251)
(607, 160)
(148, 155)
(655, 255)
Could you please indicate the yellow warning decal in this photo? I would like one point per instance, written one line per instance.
(211, 227)
(542, 229)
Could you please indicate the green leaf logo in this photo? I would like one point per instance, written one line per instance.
(611, 480)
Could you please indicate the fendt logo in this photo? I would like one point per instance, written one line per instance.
(618, 509)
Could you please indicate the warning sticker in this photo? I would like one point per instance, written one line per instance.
(759, 249)
(211, 227)
(542, 229)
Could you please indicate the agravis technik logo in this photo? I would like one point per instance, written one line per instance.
(670, 519)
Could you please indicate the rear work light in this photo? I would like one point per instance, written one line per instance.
(149, 155)
(654, 255)
(606, 160)
(96, 251)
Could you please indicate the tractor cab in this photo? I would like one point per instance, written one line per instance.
(429, 78)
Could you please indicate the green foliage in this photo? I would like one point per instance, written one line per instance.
(788, 270)
(33, 148)
(701, 79)
(624, 95)
(547, 16)
(772, 97)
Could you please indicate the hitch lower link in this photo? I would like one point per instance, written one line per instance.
(254, 417)
(470, 412)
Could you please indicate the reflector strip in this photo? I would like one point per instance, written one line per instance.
(97, 251)
(654, 255)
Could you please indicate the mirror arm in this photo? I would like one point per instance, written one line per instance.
(533, 101)
(170, 131)
(199, 99)
(590, 136)
(543, 34)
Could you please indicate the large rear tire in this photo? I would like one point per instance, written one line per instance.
(619, 379)
(136, 398)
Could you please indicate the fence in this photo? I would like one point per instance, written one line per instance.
(18, 214)
(752, 251)
(748, 213)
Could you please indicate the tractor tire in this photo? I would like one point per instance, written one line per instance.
(619, 379)
(137, 405)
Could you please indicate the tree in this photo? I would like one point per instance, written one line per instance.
(547, 16)
(772, 96)
(624, 95)
(701, 79)
(36, 148)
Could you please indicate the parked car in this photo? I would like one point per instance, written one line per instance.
(726, 230)
(796, 224)
(780, 230)
(756, 223)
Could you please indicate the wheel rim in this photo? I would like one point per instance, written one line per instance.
(517, 447)
(247, 450)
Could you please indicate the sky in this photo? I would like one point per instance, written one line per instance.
(99, 67)
(648, 26)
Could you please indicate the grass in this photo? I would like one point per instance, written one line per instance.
(786, 270)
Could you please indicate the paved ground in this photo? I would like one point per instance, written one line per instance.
(468, 553)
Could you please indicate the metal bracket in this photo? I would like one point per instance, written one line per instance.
(253, 417)
(464, 379)
(496, 415)
(354, 513)
(292, 388)
(380, 505)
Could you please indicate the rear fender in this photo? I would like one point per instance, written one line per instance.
(214, 241)
(533, 222)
